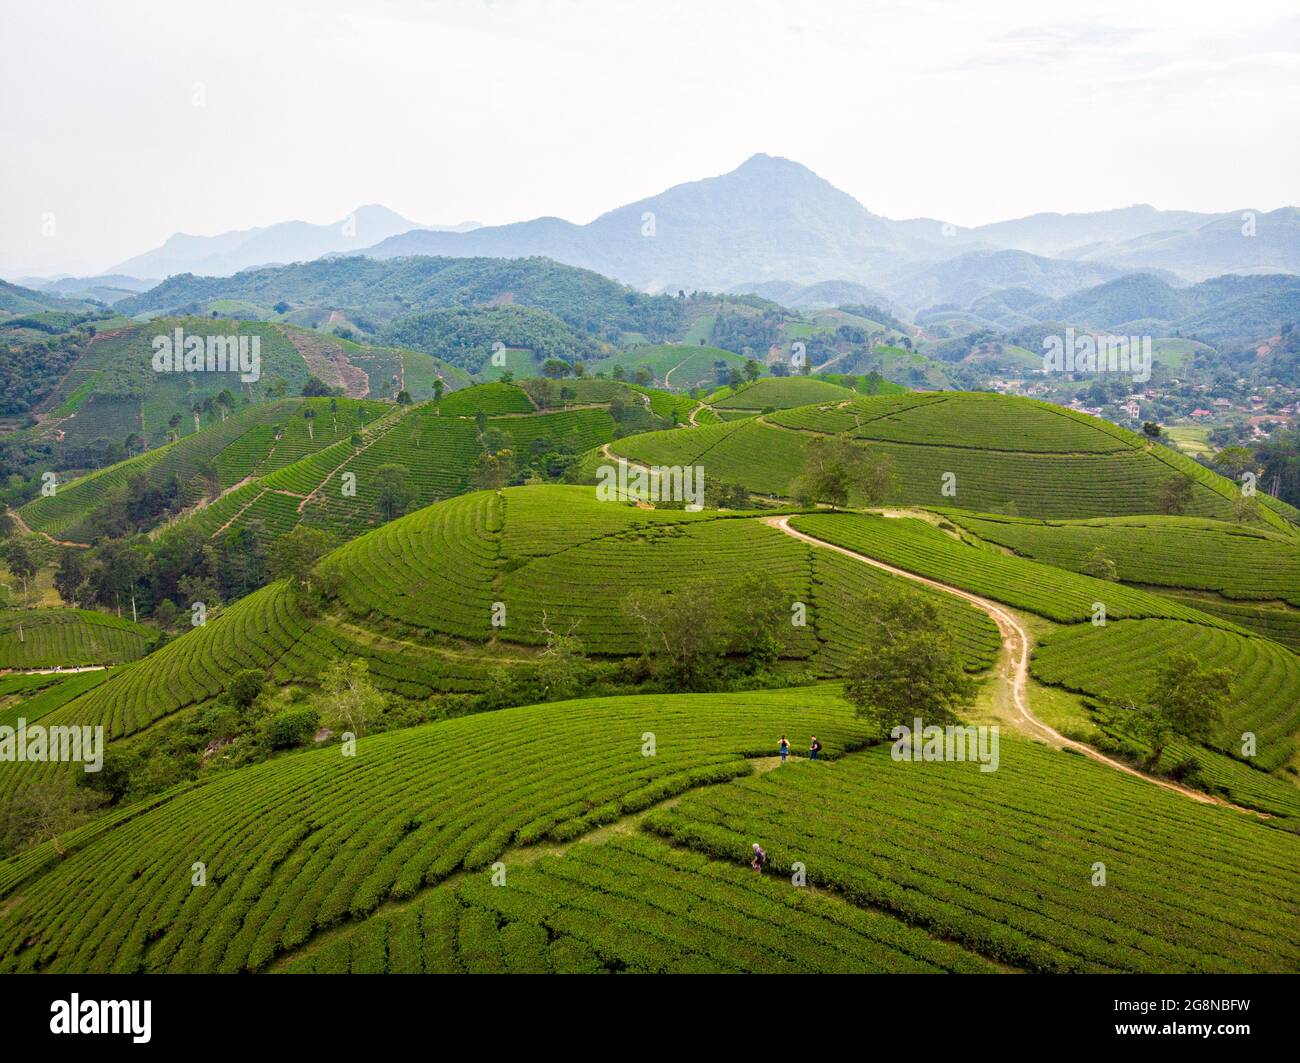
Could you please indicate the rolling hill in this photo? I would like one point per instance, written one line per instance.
(995, 452)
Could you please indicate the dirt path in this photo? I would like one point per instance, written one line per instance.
(1015, 673)
(26, 530)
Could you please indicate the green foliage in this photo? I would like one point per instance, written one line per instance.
(908, 666)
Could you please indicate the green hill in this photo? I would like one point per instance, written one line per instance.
(384, 861)
(254, 441)
(1245, 574)
(677, 366)
(782, 393)
(68, 638)
(995, 452)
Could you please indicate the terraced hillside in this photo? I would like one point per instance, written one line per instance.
(985, 886)
(67, 638)
(254, 441)
(783, 393)
(1247, 575)
(398, 593)
(113, 390)
(988, 452)
(1113, 638)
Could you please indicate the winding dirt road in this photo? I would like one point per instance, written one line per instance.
(1015, 671)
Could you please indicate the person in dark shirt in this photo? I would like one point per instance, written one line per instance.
(814, 748)
(785, 748)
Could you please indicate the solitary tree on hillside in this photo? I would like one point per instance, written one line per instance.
(294, 555)
(1173, 495)
(680, 633)
(22, 564)
(391, 492)
(349, 700)
(1186, 698)
(835, 465)
(438, 386)
(1098, 565)
(907, 667)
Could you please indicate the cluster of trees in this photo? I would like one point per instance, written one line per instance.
(733, 331)
(31, 368)
(162, 578)
(703, 634)
(466, 336)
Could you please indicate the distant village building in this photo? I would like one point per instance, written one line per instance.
(1202, 413)
(1134, 410)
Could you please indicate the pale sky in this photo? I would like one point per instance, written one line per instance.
(503, 110)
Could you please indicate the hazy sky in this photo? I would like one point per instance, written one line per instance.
(501, 110)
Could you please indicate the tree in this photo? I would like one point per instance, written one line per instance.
(244, 688)
(562, 662)
(197, 411)
(907, 667)
(438, 386)
(70, 576)
(1185, 698)
(290, 727)
(752, 370)
(403, 398)
(492, 471)
(1245, 508)
(309, 415)
(1097, 564)
(316, 388)
(295, 555)
(22, 565)
(1236, 460)
(391, 492)
(1173, 494)
(225, 403)
(835, 465)
(680, 632)
(349, 700)
(759, 613)
(44, 811)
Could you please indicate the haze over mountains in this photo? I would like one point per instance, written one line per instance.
(290, 241)
(773, 227)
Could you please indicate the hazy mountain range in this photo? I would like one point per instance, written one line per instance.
(290, 241)
(775, 228)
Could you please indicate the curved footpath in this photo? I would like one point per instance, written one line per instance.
(1015, 640)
